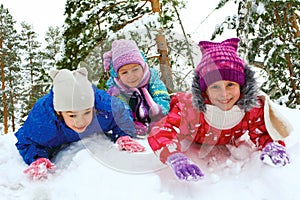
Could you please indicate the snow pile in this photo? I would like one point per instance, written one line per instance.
(96, 169)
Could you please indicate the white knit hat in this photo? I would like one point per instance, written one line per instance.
(72, 90)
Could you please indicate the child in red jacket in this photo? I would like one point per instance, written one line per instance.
(224, 106)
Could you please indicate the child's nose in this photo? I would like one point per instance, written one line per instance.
(79, 122)
(130, 75)
(223, 92)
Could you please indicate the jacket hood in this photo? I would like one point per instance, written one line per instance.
(249, 92)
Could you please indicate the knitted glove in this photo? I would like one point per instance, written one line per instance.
(128, 144)
(184, 168)
(141, 129)
(39, 168)
(275, 155)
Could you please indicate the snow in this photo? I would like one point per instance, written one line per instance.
(94, 168)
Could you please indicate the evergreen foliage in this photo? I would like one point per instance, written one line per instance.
(269, 33)
(270, 40)
(10, 71)
(92, 26)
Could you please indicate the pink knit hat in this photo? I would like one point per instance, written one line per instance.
(220, 61)
(123, 52)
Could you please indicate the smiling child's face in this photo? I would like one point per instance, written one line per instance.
(131, 74)
(223, 94)
(78, 120)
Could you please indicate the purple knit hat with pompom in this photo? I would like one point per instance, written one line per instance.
(220, 61)
(123, 52)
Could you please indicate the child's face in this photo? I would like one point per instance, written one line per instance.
(131, 74)
(223, 94)
(78, 120)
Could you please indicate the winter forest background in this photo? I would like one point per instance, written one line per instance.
(269, 33)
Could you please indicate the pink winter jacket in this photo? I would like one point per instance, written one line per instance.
(185, 124)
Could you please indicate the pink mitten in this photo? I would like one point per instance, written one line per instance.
(128, 144)
(39, 168)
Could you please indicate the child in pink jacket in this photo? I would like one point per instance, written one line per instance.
(225, 104)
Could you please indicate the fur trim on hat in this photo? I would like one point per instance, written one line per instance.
(249, 92)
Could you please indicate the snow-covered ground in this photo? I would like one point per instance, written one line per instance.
(96, 169)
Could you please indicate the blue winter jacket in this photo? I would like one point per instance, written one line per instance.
(44, 133)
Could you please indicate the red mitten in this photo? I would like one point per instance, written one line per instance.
(39, 168)
(128, 144)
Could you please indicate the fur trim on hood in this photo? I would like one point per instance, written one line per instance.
(249, 92)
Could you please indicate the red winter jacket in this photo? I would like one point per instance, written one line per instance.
(185, 124)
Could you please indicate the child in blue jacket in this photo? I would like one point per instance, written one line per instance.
(73, 108)
(139, 86)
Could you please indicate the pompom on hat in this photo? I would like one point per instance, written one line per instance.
(72, 90)
(123, 52)
(220, 61)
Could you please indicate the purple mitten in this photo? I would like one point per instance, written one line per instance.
(275, 155)
(184, 168)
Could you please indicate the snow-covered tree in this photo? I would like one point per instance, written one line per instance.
(31, 56)
(270, 35)
(88, 23)
(51, 55)
(53, 50)
(92, 25)
(10, 69)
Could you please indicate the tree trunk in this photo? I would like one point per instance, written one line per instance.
(287, 56)
(12, 103)
(5, 118)
(155, 5)
(166, 72)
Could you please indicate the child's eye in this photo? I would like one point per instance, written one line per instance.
(87, 113)
(123, 73)
(230, 84)
(72, 116)
(214, 87)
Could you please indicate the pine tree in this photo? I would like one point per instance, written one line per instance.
(31, 67)
(270, 35)
(53, 49)
(92, 25)
(88, 23)
(51, 55)
(9, 69)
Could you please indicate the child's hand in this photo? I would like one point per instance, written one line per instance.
(184, 168)
(128, 144)
(275, 155)
(39, 168)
